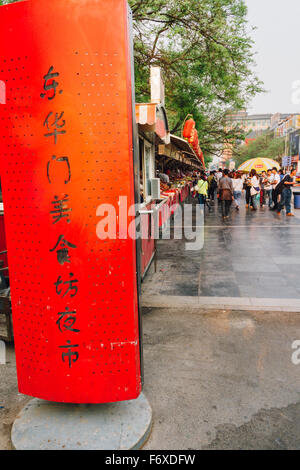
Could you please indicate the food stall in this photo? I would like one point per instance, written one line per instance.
(152, 130)
(167, 164)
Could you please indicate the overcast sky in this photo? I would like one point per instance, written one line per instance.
(277, 43)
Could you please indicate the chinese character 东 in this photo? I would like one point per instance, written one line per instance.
(67, 320)
(62, 251)
(61, 209)
(57, 124)
(50, 84)
(69, 354)
(64, 160)
(72, 288)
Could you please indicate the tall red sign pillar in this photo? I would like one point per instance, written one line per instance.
(66, 146)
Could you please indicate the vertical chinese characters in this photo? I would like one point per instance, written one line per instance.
(60, 214)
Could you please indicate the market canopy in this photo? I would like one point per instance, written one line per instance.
(259, 164)
(153, 118)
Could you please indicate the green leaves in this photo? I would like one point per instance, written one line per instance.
(206, 56)
(6, 2)
(265, 146)
(205, 52)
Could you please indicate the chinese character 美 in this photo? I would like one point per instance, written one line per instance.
(63, 252)
(66, 321)
(70, 353)
(56, 125)
(50, 84)
(59, 159)
(60, 209)
(71, 286)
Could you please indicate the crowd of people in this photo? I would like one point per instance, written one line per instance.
(270, 188)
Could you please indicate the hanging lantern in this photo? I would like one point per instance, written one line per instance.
(189, 128)
(195, 141)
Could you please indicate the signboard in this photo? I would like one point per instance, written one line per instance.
(286, 161)
(157, 86)
(66, 145)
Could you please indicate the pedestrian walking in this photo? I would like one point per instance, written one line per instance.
(247, 187)
(225, 191)
(219, 175)
(254, 190)
(238, 185)
(262, 181)
(284, 188)
(202, 189)
(281, 174)
(275, 181)
(268, 188)
(212, 185)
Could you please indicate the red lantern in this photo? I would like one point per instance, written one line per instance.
(195, 142)
(189, 128)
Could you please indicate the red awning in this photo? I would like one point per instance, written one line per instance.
(153, 118)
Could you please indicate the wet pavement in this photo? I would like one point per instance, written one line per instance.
(251, 254)
(215, 380)
(222, 380)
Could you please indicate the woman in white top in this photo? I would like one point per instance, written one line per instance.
(237, 183)
(255, 190)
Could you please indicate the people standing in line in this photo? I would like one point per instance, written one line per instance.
(212, 185)
(254, 190)
(238, 185)
(225, 190)
(285, 189)
(274, 182)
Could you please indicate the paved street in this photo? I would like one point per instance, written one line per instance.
(232, 384)
(216, 380)
(252, 255)
(222, 380)
(225, 375)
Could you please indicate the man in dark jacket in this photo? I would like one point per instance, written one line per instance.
(285, 189)
(225, 191)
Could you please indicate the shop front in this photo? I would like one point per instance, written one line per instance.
(167, 167)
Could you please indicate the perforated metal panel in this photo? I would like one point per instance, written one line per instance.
(65, 150)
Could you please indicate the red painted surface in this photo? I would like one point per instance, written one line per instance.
(3, 243)
(189, 128)
(148, 246)
(86, 42)
(185, 192)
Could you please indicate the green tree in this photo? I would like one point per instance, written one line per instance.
(265, 146)
(206, 55)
